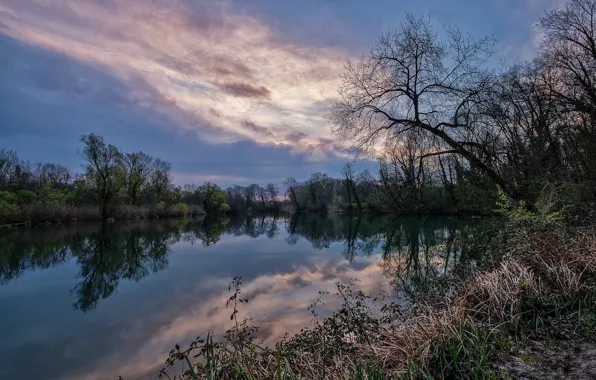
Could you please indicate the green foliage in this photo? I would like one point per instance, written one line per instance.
(56, 198)
(212, 197)
(519, 216)
(466, 352)
(182, 208)
(371, 371)
(7, 204)
(338, 200)
(224, 207)
(25, 197)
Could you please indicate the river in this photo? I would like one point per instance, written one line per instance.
(87, 301)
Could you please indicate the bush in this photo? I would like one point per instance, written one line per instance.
(519, 217)
(182, 208)
(25, 197)
(7, 204)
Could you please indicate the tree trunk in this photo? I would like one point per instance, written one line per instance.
(349, 192)
(356, 197)
(294, 198)
(473, 160)
(104, 211)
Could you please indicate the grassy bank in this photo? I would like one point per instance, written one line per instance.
(530, 315)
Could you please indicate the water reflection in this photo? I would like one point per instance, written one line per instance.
(113, 254)
(414, 248)
(163, 282)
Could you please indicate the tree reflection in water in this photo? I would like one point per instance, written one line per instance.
(416, 253)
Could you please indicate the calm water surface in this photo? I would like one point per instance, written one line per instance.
(92, 302)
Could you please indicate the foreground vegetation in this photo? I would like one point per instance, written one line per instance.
(540, 289)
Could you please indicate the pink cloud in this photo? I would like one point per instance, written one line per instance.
(204, 65)
(245, 90)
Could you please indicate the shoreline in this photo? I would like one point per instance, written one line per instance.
(72, 221)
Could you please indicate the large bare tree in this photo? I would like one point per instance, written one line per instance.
(569, 48)
(417, 79)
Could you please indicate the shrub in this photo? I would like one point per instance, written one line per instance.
(25, 197)
(182, 208)
(7, 204)
(519, 216)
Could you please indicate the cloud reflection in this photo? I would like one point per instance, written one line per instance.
(278, 304)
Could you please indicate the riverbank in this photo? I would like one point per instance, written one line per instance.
(26, 216)
(36, 215)
(532, 315)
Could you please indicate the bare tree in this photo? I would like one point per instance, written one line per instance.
(56, 176)
(348, 175)
(414, 80)
(262, 194)
(569, 48)
(8, 160)
(291, 183)
(569, 58)
(160, 178)
(251, 193)
(138, 168)
(272, 191)
(103, 168)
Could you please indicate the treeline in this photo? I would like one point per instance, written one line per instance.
(114, 184)
(120, 185)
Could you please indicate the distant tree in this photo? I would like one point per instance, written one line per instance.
(319, 189)
(21, 175)
(103, 168)
(262, 194)
(160, 179)
(213, 198)
(250, 193)
(348, 179)
(139, 168)
(236, 198)
(367, 186)
(291, 184)
(272, 191)
(55, 176)
(8, 160)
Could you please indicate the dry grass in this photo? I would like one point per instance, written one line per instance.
(498, 295)
(555, 274)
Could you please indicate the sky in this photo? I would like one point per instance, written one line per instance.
(231, 91)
